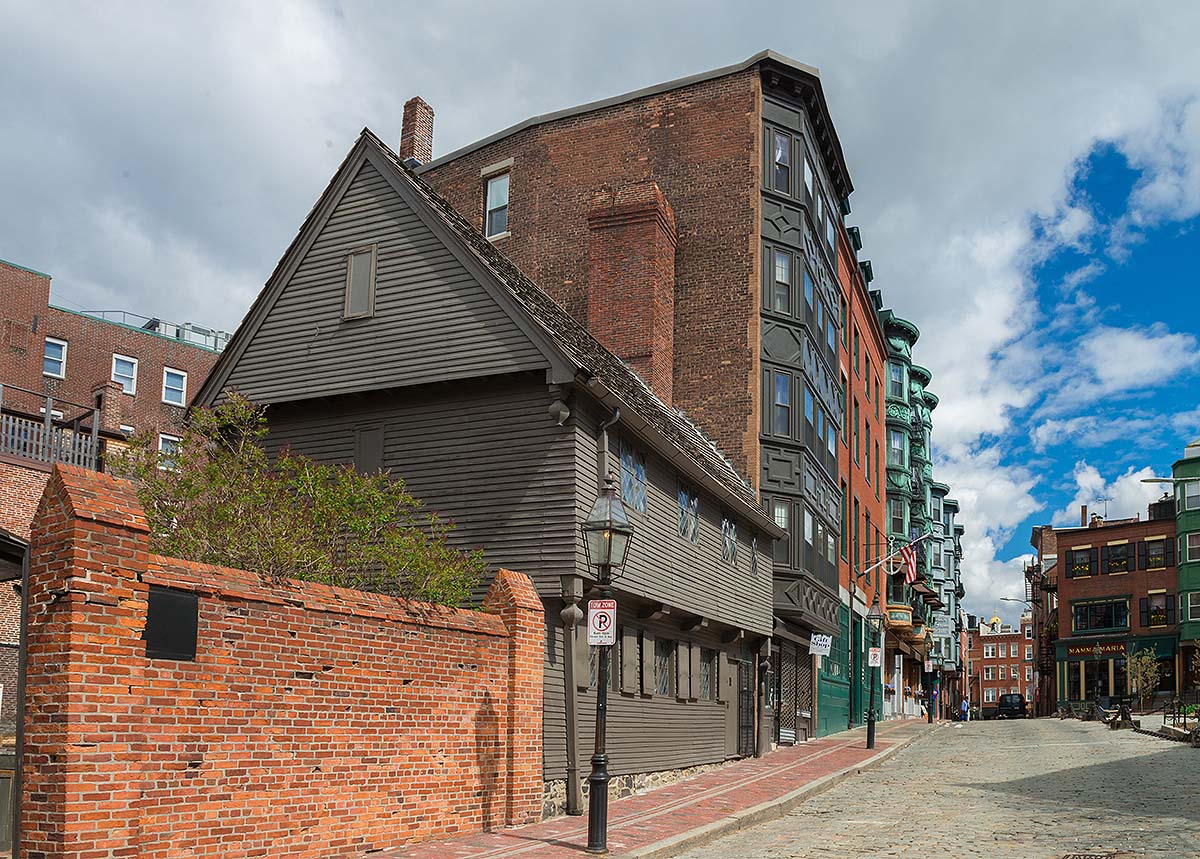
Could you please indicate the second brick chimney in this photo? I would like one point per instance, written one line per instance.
(416, 131)
(631, 280)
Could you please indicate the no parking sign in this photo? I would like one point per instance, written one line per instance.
(602, 622)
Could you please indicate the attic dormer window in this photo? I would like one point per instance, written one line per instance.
(360, 283)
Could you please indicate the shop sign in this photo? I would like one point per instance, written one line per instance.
(1106, 649)
(820, 644)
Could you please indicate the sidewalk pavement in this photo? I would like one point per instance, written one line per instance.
(668, 820)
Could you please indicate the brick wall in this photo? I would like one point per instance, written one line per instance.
(700, 145)
(21, 486)
(979, 662)
(314, 721)
(27, 320)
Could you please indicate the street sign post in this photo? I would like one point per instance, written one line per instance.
(928, 666)
(602, 622)
(875, 657)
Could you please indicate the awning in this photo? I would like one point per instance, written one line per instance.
(1163, 647)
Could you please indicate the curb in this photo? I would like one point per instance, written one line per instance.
(769, 810)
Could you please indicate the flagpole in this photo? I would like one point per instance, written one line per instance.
(883, 561)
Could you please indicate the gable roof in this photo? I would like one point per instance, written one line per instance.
(573, 348)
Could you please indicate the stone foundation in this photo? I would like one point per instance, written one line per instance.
(554, 793)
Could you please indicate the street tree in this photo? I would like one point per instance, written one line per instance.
(1144, 673)
(218, 497)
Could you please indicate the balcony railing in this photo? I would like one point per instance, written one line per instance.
(63, 432)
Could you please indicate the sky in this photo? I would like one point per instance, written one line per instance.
(1027, 184)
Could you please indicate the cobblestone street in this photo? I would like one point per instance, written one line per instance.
(1040, 789)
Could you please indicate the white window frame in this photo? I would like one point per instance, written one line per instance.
(162, 436)
(1192, 544)
(1192, 607)
(1001, 672)
(183, 403)
(1028, 673)
(1191, 501)
(1028, 652)
(989, 695)
(128, 429)
(989, 651)
(132, 390)
(64, 344)
(488, 208)
(1003, 651)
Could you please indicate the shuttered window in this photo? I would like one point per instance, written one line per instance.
(360, 283)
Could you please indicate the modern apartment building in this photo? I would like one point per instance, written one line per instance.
(694, 228)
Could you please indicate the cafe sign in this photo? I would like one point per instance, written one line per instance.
(1108, 649)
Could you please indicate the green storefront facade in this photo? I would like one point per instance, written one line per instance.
(1087, 669)
(843, 681)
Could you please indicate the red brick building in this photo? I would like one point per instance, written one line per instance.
(1116, 595)
(59, 368)
(1001, 661)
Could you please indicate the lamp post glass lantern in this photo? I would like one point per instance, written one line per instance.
(875, 623)
(607, 534)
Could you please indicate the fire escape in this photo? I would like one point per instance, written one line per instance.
(1039, 586)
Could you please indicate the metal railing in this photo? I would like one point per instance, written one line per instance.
(186, 332)
(64, 432)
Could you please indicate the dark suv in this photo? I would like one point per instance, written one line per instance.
(1011, 707)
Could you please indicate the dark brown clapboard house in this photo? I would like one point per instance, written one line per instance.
(393, 334)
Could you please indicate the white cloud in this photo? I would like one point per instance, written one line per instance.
(1124, 497)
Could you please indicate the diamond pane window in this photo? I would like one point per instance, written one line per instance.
(689, 516)
(729, 546)
(633, 477)
(663, 652)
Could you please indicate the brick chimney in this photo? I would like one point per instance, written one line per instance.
(1083, 520)
(416, 131)
(631, 280)
(107, 397)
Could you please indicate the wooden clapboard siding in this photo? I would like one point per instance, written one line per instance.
(662, 565)
(432, 322)
(485, 454)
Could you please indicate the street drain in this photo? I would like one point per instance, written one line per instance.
(1090, 856)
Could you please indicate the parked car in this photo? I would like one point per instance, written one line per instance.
(1011, 707)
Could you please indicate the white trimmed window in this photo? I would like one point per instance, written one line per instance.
(1028, 652)
(1001, 673)
(127, 429)
(1028, 673)
(989, 695)
(1003, 650)
(124, 371)
(168, 447)
(989, 651)
(496, 207)
(1192, 607)
(174, 387)
(1191, 495)
(1193, 547)
(54, 361)
(989, 672)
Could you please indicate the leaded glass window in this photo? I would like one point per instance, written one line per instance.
(633, 477)
(729, 545)
(689, 507)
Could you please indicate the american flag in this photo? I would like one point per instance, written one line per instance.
(908, 554)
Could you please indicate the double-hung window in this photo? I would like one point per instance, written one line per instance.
(1191, 495)
(808, 291)
(809, 408)
(1157, 609)
(1118, 558)
(896, 516)
(781, 406)
(781, 160)
(830, 228)
(781, 294)
(174, 387)
(1192, 606)
(1081, 563)
(1156, 554)
(54, 360)
(1193, 547)
(808, 176)
(689, 515)
(496, 206)
(168, 450)
(124, 371)
(989, 651)
(896, 448)
(896, 381)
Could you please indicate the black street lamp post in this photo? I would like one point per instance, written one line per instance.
(1097, 653)
(607, 534)
(875, 621)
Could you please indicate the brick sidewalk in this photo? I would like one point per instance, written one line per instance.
(637, 824)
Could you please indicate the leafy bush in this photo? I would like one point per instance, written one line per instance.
(219, 498)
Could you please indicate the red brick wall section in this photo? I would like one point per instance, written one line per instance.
(314, 722)
(416, 130)
(21, 488)
(631, 274)
(700, 145)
